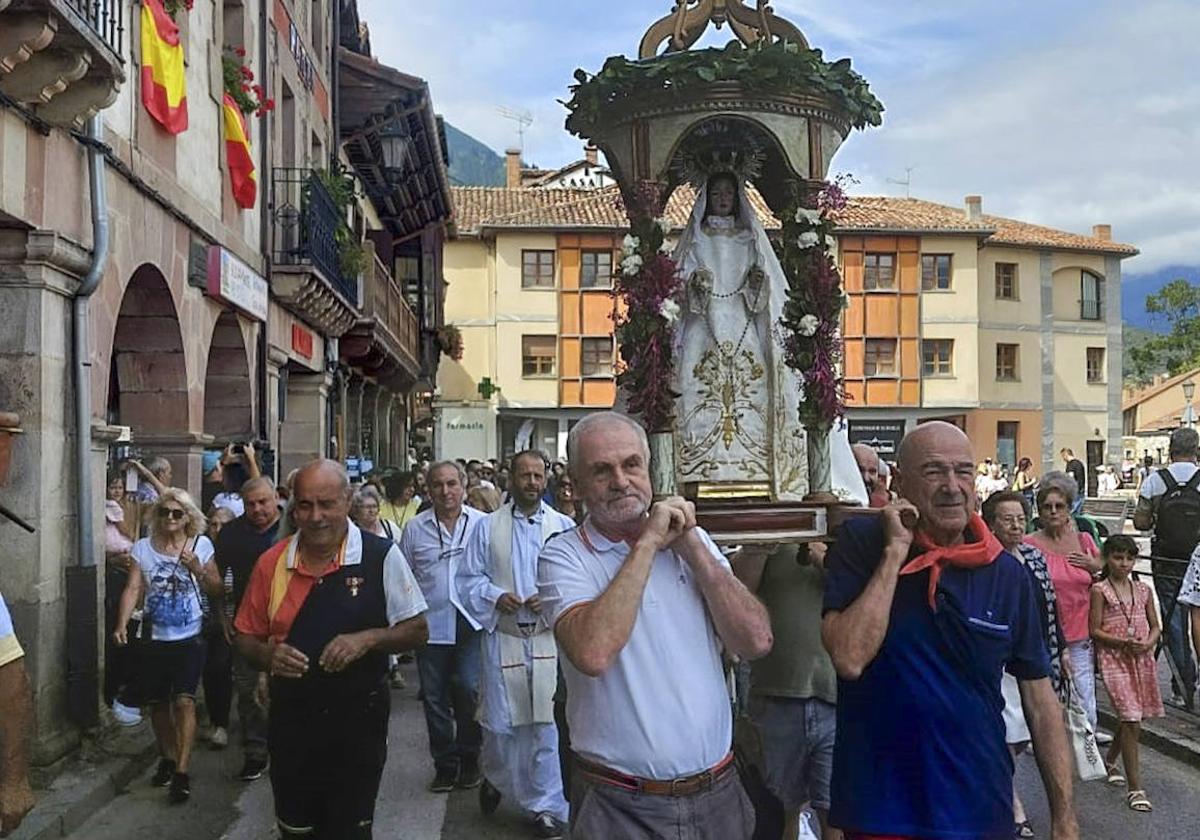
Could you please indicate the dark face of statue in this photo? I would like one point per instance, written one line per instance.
(722, 196)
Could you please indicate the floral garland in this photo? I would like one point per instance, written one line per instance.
(174, 7)
(810, 327)
(649, 286)
(239, 83)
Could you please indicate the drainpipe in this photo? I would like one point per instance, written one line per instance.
(266, 185)
(82, 617)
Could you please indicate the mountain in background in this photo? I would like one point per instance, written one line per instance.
(472, 164)
(1135, 288)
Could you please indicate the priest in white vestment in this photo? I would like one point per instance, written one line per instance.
(497, 584)
(738, 431)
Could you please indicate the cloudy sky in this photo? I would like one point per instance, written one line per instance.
(1065, 113)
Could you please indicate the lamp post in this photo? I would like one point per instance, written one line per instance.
(1189, 389)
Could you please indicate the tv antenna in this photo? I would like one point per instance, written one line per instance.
(906, 183)
(522, 118)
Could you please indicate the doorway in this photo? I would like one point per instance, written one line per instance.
(1095, 458)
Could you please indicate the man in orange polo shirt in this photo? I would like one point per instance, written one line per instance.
(321, 613)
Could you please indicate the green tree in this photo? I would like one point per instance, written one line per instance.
(1178, 305)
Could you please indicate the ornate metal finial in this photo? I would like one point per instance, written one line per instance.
(690, 18)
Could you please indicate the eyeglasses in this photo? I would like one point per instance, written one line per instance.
(1011, 520)
(171, 513)
(1054, 506)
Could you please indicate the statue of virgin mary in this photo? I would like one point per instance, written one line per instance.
(738, 432)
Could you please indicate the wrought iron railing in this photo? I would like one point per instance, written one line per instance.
(106, 18)
(305, 223)
(383, 299)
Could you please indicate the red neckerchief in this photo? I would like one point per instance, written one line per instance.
(980, 550)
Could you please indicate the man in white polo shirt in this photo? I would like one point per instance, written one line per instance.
(16, 722)
(642, 603)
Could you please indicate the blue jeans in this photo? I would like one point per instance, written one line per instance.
(1175, 631)
(450, 691)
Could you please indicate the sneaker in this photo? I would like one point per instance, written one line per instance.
(546, 827)
(219, 738)
(443, 780)
(252, 768)
(162, 776)
(126, 715)
(1103, 737)
(489, 798)
(469, 775)
(181, 788)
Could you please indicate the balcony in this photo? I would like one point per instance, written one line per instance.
(386, 341)
(306, 275)
(62, 59)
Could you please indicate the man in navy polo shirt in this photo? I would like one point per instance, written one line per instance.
(920, 623)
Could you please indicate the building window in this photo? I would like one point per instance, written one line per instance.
(880, 357)
(879, 271)
(597, 357)
(1007, 434)
(596, 270)
(936, 355)
(537, 356)
(1091, 297)
(935, 272)
(1006, 363)
(537, 269)
(1095, 365)
(1006, 281)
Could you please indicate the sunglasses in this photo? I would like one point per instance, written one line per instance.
(171, 513)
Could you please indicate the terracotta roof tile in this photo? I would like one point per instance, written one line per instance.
(556, 209)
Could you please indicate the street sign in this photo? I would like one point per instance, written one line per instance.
(883, 436)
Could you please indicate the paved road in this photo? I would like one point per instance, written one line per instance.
(223, 808)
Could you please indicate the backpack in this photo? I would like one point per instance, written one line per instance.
(1177, 519)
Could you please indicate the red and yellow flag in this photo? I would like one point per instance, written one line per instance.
(164, 89)
(237, 151)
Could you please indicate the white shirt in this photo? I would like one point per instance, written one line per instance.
(172, 592)
(232, 501)
(434, 554)
(10, 648)
(661, 710)
(1153, 486)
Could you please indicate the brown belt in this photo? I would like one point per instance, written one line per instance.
(685, 786)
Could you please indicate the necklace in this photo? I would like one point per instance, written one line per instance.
(1128, 613)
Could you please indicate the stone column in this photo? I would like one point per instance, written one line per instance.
(303, 432)
(276, 361)
(354, 403)
(1116, 355)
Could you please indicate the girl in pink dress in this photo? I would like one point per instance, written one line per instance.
(1124, 625)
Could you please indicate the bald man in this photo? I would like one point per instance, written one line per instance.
(869, 467)
(321, 613)
(928, 614)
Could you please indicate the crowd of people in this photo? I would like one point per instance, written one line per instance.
(573, 636)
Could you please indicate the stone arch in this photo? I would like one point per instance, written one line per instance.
(147, 369)
(228, 395)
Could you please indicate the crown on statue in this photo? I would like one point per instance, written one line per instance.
(697, 164)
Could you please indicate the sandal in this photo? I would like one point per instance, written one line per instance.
(1023, 829)
(1138, 801)
(1115, 777)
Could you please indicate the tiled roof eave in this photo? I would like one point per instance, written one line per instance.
(1116, 249)
(910, 230)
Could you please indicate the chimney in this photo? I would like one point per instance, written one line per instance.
(512, 169)
(1102, 232)
(592, 154)
(974, 208)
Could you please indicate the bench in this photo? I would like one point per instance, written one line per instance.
(1109, 513)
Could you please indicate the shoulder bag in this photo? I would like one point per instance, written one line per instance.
(1089, 763)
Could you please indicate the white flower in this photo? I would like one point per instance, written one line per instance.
(813, 217)
(630, 245)
(809, 324)
(830, 243)
(808, 239)
(670, 310)
(666, 248)
(663, 225)
(631, 265)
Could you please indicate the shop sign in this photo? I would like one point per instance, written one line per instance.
(302, 341)
(883, 436)
(232, 281)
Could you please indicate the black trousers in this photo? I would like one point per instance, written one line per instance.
(327, 760)
(218, 676)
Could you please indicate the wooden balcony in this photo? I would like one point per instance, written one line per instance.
(385, 343)
(62, 59)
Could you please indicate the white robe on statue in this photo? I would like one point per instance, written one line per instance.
(521, 761)
(737, 417)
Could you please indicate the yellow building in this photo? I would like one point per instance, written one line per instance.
(1002, 327)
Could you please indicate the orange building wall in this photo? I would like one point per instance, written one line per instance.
(882, 314)
(981, 429)
(583, 313)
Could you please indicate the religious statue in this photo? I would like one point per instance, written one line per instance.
(738, 432)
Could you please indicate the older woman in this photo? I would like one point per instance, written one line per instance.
(364, 510)
(1006, 514)
(1073, 560)
(172, 566)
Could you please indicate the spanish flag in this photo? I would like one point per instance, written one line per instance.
(237, 151)
(164, 89)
